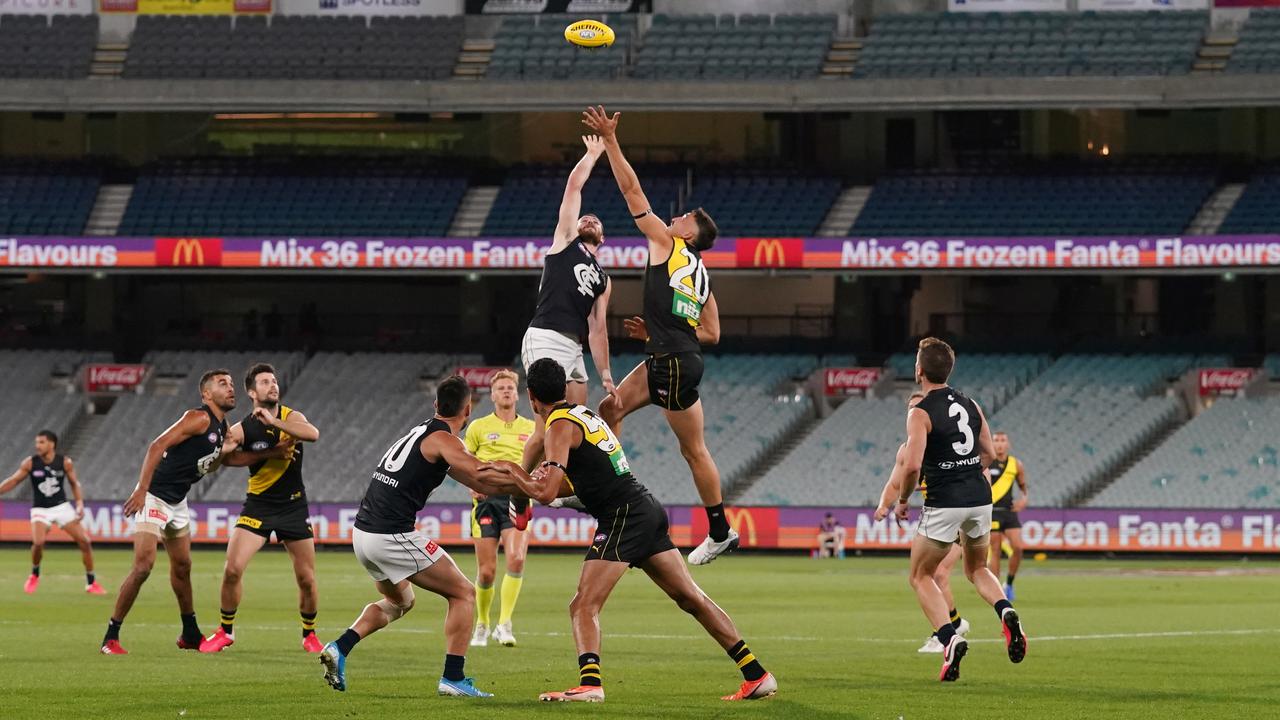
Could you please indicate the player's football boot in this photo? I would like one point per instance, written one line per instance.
(217, 642)
(31, 584)
(709, 549)
(112, 647)
(335, 667)
(94, 588)
(465, 687)
(952, 654)
(932, 645)
(1015, 641)
(310, 643)
(572, 502)
(963, 629)
(480, 637)
(190, 643)
(504, 636)
(1008, 592)
(520, 518)
(755, 689)
(582, 693)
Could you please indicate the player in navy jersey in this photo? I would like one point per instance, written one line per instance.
(51, 474)
(949, 441)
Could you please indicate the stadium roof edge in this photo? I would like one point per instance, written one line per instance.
(492, 96)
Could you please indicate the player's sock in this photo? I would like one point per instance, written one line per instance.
(1008, 579)
(718, 524)
(35, 571)
(510, 593)
(308, 623)
(228, 619)
(945, 633)
(589, 670)
(347, 641)
(89, 577)
(113, 630)
(747, 663)
(484, 603)
(190, 629)
(1001, 606)
(453, 665)
(955, 618)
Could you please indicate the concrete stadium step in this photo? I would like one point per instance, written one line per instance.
(108, 61)
(85, 427)
(1216, 209)
(108, 209)
(1088, 491)
(845, 211)
(777, 455)
(473, 211)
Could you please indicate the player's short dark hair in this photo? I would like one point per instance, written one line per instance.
(707, 230)
(255, 370)
(546, 381)
(936, 360)
(49, 435)
(452, 395)
(1000, 432)
(210, 375)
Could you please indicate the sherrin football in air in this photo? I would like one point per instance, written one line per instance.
(590, 34)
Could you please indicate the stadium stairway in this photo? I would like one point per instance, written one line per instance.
(474, 209)
(1216, 209)
(1089, 490)
(108, 209)
(844, 211)
(82, 428)
(775, 456)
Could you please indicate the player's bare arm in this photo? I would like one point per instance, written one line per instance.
(74, 482)
(1021, 503)
(571, 204)
(234, 454)
(892, 486)
(918, 428)
(651, 225)
(18, 476)
(192, 423)
(296, 425)
(466, 468)
(548, 480)
(598, 337)
(986, 448)
(709, 323)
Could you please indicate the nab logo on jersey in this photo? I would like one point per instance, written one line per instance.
(588, 278)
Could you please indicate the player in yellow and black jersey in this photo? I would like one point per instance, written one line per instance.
(1004, 471)
(584, 457)
(269, 442)
(500, 435)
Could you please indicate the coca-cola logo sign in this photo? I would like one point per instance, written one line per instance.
(113, 378)
(843, 381)
(1228, 380)
(478, 377)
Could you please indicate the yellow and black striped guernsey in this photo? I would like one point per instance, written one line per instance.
(1003, 474)
(278, 479)
(598, 469)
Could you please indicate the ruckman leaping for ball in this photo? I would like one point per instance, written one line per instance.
(680, 315)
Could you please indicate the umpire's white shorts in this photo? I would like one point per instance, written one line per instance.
(395, 556)
(945, 524)
(567, 351)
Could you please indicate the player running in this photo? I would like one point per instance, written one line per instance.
(48, 469)
(397, 556)
(188, 450)
(1004, 471)
(583, 456)
(948, 439)
(501, 435)
(680, 316)
(573, 303)
(942, 576)
(276, 502)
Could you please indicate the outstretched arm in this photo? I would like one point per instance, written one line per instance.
(466, 468)
(598, 336)
(913, 458)
(192, 423)
(571, 205)
(296, 425)
(654, 229)
(18, 476)
(549, 478)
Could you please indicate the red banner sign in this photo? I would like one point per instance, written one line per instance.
(99, 378)
(1225, 381)
(479, 377)
(850, 381)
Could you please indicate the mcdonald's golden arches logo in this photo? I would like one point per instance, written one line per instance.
(189, 252)
(770, 252)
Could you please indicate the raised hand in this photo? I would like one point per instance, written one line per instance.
(595, 145)
(599, 121)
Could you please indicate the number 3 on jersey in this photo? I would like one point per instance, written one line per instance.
(596, 432)
(691, 283)
(957, 411)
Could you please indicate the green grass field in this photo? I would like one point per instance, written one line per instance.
(1184, 639)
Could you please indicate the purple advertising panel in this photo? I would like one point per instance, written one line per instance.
(769, 527)
(851, 254)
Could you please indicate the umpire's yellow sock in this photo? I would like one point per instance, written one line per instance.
(510, 593)
(484, 602)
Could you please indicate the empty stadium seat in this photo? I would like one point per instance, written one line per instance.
(1258, 209)
(37, 46)
(1258, 49)
(754, 47)
(763, 204)
(528, 204)
(38, 198)
(533, 47)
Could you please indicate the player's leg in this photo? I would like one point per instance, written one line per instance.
(942, 577)
(988, 586)
(1014, 536)
(595, 583)
(81, 537)
(670, 573)
(241, 548)
(629, 395)
(302, 553)
(445, 579)
(515, 545)
(397, 599)
(486, 574)
(997, 542)
(144, 558)
(688, 428)
(39, 531)
(927, 552)
(178, 547)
